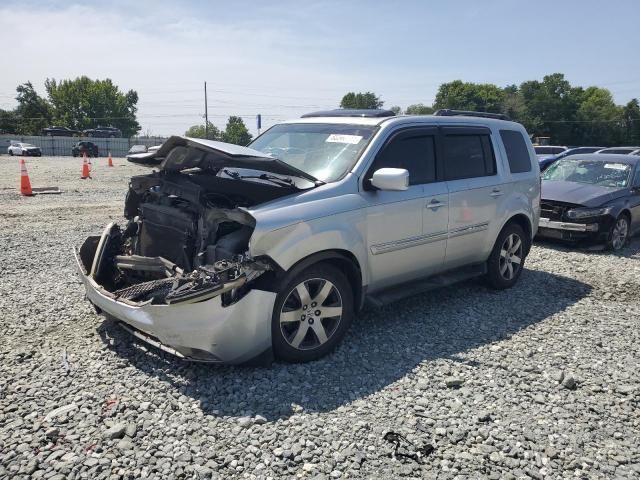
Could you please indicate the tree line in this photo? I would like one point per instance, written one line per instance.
(78, 104)
(569, 115)
(235, 132)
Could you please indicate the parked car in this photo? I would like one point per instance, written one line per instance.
(80, 148)
(137, 149)
(230, 253)
(60, 132)
(619, 150)
(591, 199)
(24, 149)
(543, 151)
(104, 132)
(544, 162)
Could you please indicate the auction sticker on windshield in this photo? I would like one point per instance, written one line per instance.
(616, 166)
(337, 138)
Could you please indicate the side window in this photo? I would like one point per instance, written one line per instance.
(517, 152)
(636, 177)
(468, 156)
(412, 151)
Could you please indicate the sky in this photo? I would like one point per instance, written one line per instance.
(285, 58)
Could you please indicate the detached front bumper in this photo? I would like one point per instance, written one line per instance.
(595, 231)
(203, 331)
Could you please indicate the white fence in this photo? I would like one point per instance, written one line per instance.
(58, 146)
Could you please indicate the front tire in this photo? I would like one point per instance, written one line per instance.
(11, 153)
(507, 258)
(312, 313)
(619, 233)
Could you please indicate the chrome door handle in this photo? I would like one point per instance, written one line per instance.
(496, 192)
(435, 204)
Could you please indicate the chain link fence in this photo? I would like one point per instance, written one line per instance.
(61, 146)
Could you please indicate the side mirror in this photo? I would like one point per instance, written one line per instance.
(390, 179)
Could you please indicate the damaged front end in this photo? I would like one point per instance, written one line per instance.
(179, 272)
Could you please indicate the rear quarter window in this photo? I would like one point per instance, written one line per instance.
(517, 151)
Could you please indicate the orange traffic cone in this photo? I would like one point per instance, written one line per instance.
(110, 161)
(85, 167)
(25, 184)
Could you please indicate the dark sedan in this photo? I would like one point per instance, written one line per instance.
(90, 148)
(59, 132)
(103, 132)
(591, 199)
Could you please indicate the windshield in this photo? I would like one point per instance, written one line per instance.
(324, 151)
(593, 172)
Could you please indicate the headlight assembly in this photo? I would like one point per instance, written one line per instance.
(577, 213)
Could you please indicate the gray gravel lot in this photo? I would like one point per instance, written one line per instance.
(537, 382)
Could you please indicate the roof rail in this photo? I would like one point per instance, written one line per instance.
(445, 112)
(351, 112)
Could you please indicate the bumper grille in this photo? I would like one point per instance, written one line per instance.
(135, 292)
(555, 210)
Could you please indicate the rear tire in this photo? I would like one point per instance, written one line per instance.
(312, 313)
(11, 153)
(506, 261)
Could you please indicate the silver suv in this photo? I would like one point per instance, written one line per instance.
(231, 253)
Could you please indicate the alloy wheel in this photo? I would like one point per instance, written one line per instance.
(311, 313)
(511, 254)
(619, 233)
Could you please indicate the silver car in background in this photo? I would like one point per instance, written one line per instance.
(231, 253)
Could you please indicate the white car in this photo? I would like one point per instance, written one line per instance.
(25, 149)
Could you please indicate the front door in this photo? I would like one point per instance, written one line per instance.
(406, 230)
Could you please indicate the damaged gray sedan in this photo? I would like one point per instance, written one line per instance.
(230, 254)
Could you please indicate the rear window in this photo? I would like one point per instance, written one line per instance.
(517, 152)
(468, 156)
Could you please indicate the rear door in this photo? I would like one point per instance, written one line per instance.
(405, 240)
(474, 188)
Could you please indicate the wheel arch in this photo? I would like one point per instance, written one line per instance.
(524, 222)
(343, 260)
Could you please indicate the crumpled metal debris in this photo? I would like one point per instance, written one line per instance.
(404, 448)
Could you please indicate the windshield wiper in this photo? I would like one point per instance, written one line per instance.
(280, 181)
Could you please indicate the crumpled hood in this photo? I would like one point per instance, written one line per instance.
(580, 193)
(179, 153)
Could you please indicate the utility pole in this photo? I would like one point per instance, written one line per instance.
(206, 113)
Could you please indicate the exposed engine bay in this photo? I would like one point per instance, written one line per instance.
(186, 237)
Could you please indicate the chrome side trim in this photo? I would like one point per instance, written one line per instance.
(408, 242)
(467, 229)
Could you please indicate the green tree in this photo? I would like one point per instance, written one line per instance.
(236, 132)
(198, 131)
(512, 103)
(361, 100)
(599, 119)
(85, 103)
(396, 109)
(419, 109)
(631, 119)
(33, 112)
(8, 121)
(477, 97)
(551, 108)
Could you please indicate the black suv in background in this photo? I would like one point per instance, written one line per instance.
(90, 148)
(59, 132)
(103, 132)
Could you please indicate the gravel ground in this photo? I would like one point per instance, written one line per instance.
(537, 382)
